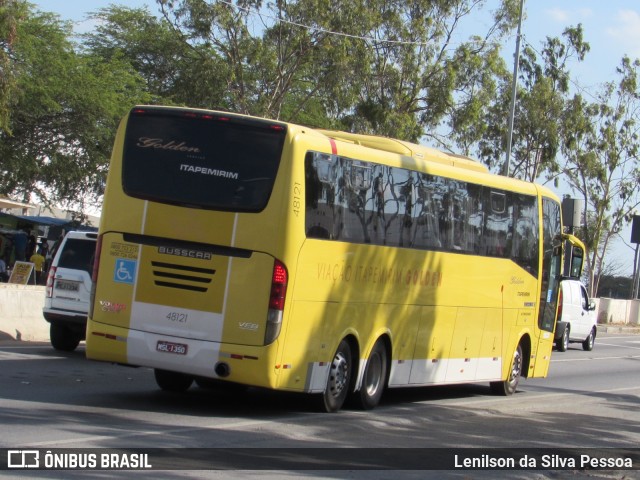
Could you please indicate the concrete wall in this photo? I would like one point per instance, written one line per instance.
(21, 313)
(611, 310)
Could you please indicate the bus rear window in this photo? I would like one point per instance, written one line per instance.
(201, 159)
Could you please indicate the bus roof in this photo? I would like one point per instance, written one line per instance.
(418, 153)
(407, 148)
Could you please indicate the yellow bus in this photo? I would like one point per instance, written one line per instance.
(268, 254)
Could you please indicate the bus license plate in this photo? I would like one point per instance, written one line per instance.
(169, 347)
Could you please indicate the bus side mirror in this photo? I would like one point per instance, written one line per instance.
(574, 255)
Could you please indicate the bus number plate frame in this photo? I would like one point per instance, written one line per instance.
(170, 347)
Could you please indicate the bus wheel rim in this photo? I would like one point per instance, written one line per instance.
(517, 367)
(339, 374)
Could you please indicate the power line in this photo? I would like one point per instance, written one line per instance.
(323, 30)
(370, 39)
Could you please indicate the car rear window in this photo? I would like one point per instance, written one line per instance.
(78, 254)
(201, 159)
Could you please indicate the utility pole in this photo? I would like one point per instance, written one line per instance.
(636, 275)
(635, 238)
(514, 87)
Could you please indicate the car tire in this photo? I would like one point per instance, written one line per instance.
(587, 345)
(63, 338)
(563, 343)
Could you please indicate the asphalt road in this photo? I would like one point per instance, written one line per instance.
(53, 400)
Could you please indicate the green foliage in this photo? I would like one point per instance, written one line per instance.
(11, 13)
(64, 111)
(601, 152)
(378, 67)
(542, 93)
(386, 68)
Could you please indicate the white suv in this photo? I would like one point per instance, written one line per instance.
(576, 316)
(68, 289)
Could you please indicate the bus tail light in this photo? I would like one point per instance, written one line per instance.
(276, 302)
(94, 274)
(51, 277)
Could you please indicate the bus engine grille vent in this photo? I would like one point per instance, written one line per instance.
(173, 275)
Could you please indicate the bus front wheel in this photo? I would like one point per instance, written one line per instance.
(339, 379)
(509, 386)
(172, 381)
(374, 378)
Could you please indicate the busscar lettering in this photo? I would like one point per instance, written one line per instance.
(208, 171)
(159, 143)
(181, 252)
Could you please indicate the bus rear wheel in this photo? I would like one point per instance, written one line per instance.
(172, 381)
(340, 373)
(509, 386)
(374, 379)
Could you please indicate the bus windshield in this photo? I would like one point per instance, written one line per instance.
(201, 160)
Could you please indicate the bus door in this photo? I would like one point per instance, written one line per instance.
(549, 286)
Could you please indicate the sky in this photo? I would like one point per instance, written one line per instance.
(611, 27)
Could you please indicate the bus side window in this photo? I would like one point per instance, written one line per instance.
(497, 224)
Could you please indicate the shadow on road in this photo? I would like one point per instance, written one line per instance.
(118, 406)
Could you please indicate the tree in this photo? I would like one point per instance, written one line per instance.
(173, 71)
(423, 81)
(543, 90)
(473, 122)
(388, 68)
(11, 13)
(63, 115)
(601, 151)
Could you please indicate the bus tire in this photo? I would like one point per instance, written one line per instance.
(510, 385)
(374, 379)
(339, 379)
(172, 381)
(63, 338)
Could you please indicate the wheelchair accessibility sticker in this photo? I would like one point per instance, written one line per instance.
(125, 271)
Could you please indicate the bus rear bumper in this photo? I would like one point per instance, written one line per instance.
(243, 364)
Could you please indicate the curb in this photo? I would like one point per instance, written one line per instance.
(619, 329)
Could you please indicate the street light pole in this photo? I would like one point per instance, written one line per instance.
(514, 86)
(636, 274)
(635, 238)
